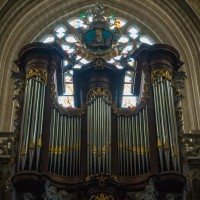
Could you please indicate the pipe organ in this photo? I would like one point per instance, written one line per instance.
(98, 150)
(133, 143)
(32, 119)
(166, 126)
(99, 131)
(64, 144)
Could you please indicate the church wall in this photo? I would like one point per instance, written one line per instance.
(166, 22)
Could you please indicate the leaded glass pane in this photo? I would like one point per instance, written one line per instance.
(66, 101)
(48, 39)
(146, 39)
(129, 101)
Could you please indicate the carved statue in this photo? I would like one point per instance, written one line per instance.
(169, 196)
(149, 193)
(53, 194)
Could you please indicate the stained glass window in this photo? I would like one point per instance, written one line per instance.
(60, 31)
(123, 39)
(129, 101)
(146, 39)
(48, 39)
(117, 22)
(66, 101)
(133, 32)
(68, 48)
(130, 40)
(77, 23)
(71, 38)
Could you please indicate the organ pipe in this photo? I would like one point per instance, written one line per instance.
(99, 132)
(64, 144)
(133, 144)
(166, 122)
(32, 118)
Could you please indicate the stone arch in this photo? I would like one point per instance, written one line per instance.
(164, 21)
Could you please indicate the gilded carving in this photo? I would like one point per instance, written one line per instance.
(70, 111)
(145, 93)
(127, 111)
(37, 72)
(177, 84)
(101, 179)
(98, 63)
(19, 85)
(155, 74)
(101, 196)
(99, 92)
(92, 57)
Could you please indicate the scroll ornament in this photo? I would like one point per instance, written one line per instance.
(155, 74)
(99, 92)
(101, 197)
(37, 72)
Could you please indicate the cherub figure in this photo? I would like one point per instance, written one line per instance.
(149, 193)
(53, 194)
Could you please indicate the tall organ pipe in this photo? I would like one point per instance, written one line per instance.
(40, 123)
(168, 141)
(99, 135)
(33, 123)
(166, 122)
(27, 124)
(134, 148)
(64, 143)
(175, 133)
(88, 141)
(158, 123)
(133, 138)
(130, 146)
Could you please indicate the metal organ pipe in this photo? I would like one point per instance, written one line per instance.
(64, 146)
(98, 133)
(174, 125)
(27, 124)
(40, 122)
(166, 123)
(158, 124)
(133, 143)
(167, 134)
(31, 125)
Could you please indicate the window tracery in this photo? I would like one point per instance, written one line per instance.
(130, 40)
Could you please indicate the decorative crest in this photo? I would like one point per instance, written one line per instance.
(99, 38)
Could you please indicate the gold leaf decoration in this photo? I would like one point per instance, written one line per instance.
(155, 74)
(37, 72)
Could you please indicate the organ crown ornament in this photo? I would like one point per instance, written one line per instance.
(99, 38)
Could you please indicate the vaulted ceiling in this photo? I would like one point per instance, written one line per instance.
(176, 23)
